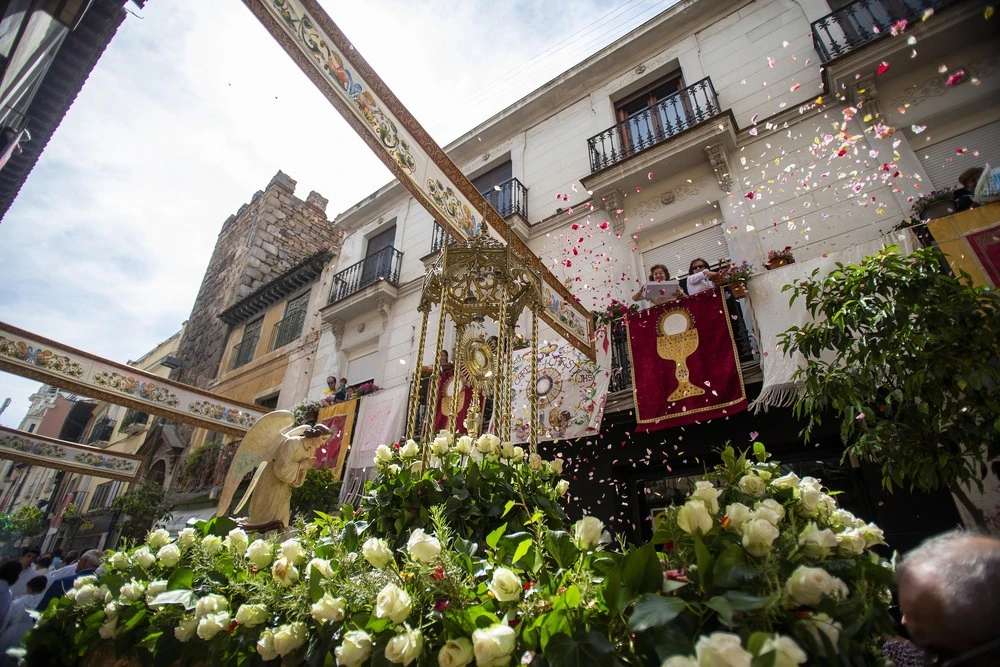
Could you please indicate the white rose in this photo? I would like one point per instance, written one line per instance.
(721, 649)
(507, 450)
(212, 544)
(210, 604)
(109, 629)
(456, 653)
(328, 609)
(376, 552)
(679, 661)
(405, 647)
(143, 557)
(393, 603)
(410, 450)
(817, 543)
(694, 517)
(587, 532)
(383, 454)
(186, 538)
(88, 594)
(354, 649)
(289, 637)
(758, 536)
(494, 645)
(237, 540)
(71, 594)
(251, 615)
(213, 624)
(535, 462)
(292, 550)
(827, 504)
(133, 590)
(322, 566)
(851, 542)
(810, 495)
(464, 445)
(158, 538)
(822, 624)
(752, 485)
(786, 481)
(394, 468)
(518, 453)
(118, 561)
(873, 535)
(169, 555)
(423, 547)
(417, 467)
(786, 652)
(111, 610)
(440, 446)
(260, 553)
(284, 572)
(265, 645)
(88, 580)
(186, 629)
(506, 585)
(738, 514)
(155, 588)
(556, 466)
(808, 585)
(484, 444)
(843, 518)
(769, 510)
(562, 487)
(708, 494)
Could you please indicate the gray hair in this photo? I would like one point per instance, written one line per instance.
(90, 560)
(964, 567)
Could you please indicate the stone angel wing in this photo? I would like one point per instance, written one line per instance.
(255, 451)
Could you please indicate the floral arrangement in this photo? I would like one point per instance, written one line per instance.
(783, 254)
(924, 202)
(614, 312)
(519, 342)
(305, 411)
(364, 389)
(479, 566)
(739, 273)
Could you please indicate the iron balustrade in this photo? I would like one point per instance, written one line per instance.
(864, 21)
(242, 353)
(507, 199)
(653, 125)
(287, 330)
(383, 265)
(439, 236)
(103, 429)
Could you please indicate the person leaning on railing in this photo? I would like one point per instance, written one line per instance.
(699, 277)
(658, 273)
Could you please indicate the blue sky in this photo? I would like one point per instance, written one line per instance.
(193, 108)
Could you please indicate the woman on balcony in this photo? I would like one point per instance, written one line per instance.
(699, 277)
(658, 274)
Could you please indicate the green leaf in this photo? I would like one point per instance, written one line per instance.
(522, 549)
(185, 598)
(704, 559)
(181, 579)
(654, 611)
(562, 548)
(641, 571)
(508, 507)
(494, 537)
(572, 597)
(759, 451)
(585, 650)
(731, 569)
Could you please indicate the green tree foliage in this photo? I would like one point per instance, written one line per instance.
(908, 359)
(144, 506)
(320, 491)
(24, 522)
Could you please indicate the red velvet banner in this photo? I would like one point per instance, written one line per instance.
(685, 367)
(446, 390)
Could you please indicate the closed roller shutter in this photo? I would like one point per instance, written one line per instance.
(943, 164)
(362, 369)
(709, 244)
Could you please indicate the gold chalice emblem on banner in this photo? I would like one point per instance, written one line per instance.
(676, 340)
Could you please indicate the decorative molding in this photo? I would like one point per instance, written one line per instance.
(337, 327)
(935, 85)
(654, 203)
(614, 204)
(384, 307)
(864, 94)
(34, 449)
(716, 154)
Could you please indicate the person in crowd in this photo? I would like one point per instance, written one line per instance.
(949, 595)
(57, 558)
(658, 273)
(67, 567)
(18, 621)
(28, 557)
(9, 572)
(963, 195)
(341, 393)
(699, 277)
(88, 564)
(330, 393)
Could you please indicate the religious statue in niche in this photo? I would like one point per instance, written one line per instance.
(281, 453)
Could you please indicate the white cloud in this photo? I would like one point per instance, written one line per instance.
(194, 107)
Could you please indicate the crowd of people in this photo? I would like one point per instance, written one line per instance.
(30, 582)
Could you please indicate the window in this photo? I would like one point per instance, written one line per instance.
(943, 165)
(104, 494)
(290, 327)
(378, 256)
(268, 402)
(652, 113)
(31, 428)
(497, 186)
(133, 417)
(709, 243)
(243, 352)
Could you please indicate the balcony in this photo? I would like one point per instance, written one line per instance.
(242, 353)
(287, 330)
(103, 429)
(382, 266)
(664, 120)
(508, 199)
(864, 21)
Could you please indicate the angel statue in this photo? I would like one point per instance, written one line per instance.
(282, 453)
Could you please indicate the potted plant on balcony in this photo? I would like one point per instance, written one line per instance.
(734, 278)
(614, 313)
(364, 390)
(777, 258)
(306, 412)
(936, 204)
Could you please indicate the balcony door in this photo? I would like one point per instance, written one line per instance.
(652, 114)
(378, 257)
(494, 186)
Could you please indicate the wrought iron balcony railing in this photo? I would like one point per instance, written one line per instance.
(287, 330)
(644, 129)
(103, 429)
(242, 353)
(383, 265)
(507, 199)
(864, 21)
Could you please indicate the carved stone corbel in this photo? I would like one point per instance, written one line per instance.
(614, 204)
(716, 154)
(384, 309)
(337, 327)
(864, 96)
